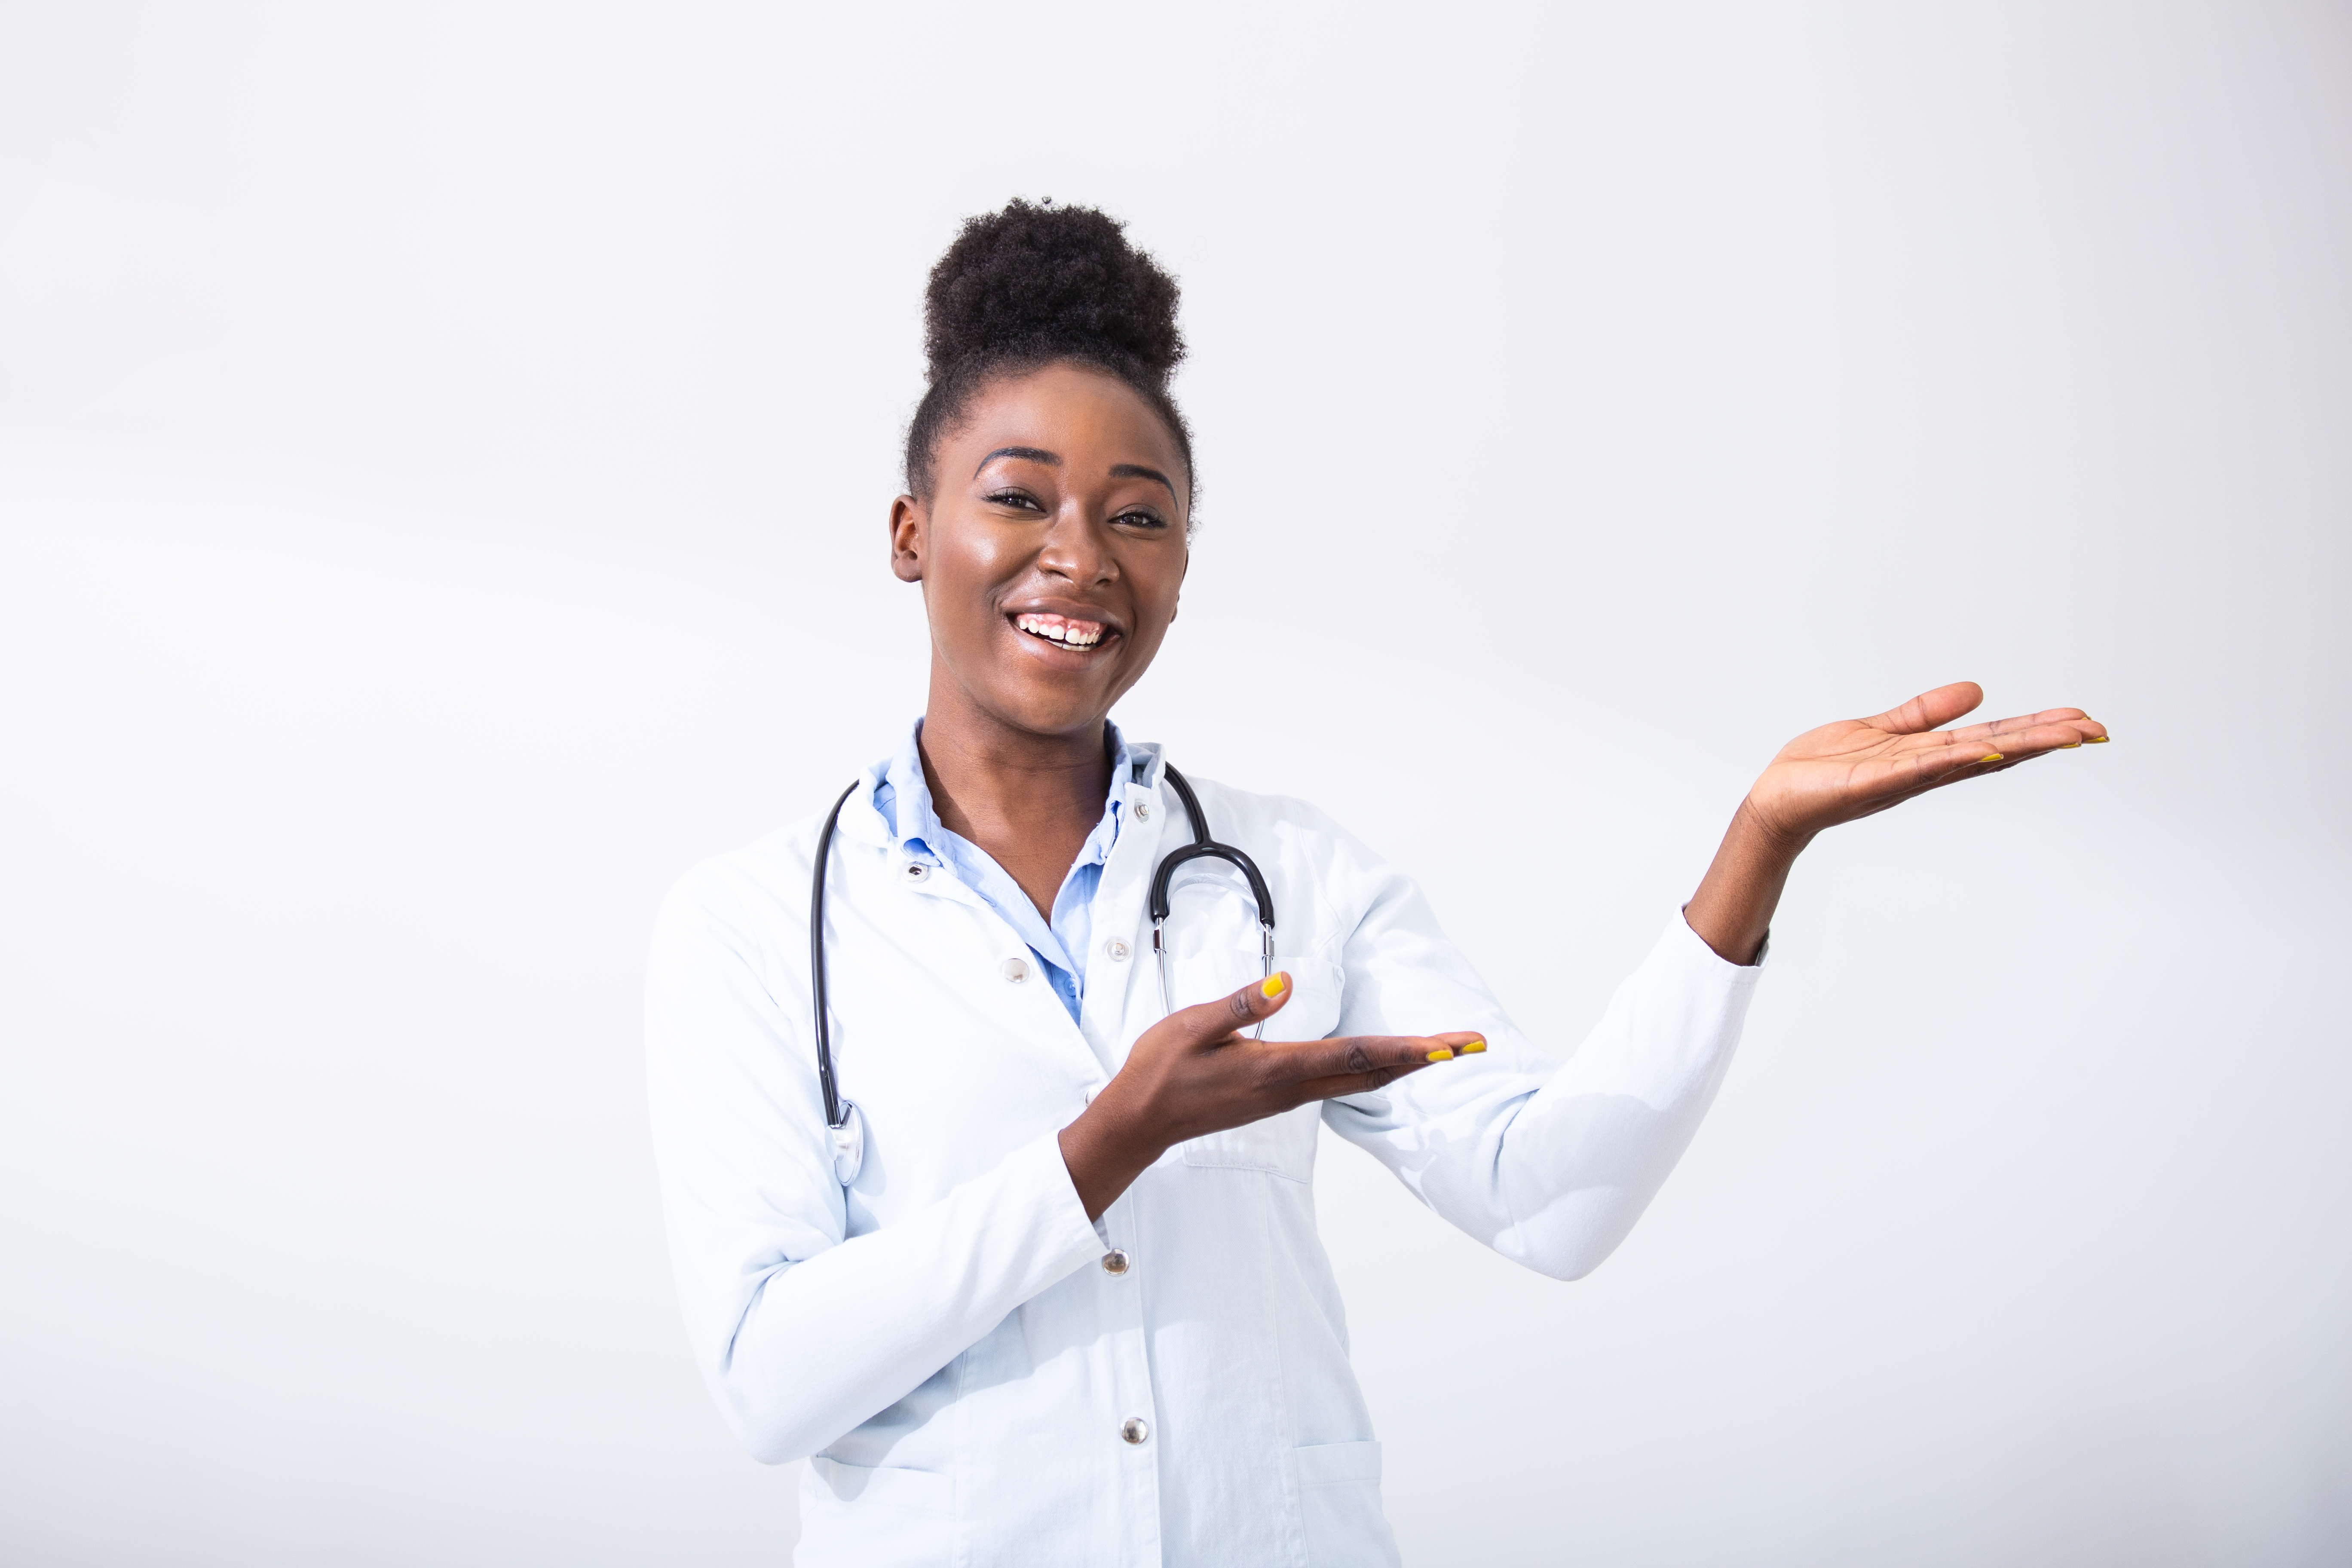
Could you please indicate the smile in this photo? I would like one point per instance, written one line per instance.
(1061, 631)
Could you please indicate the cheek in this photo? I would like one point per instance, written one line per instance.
(965, 571)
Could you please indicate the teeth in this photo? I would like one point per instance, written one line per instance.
(1053, 627)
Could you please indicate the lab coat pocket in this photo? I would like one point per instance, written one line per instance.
(853, 1515)
(1340, 1504)
(1281, 1145)
(1312, 1012)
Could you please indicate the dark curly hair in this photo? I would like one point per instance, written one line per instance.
(1032, 285)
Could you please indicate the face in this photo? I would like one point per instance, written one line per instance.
(1051, 550)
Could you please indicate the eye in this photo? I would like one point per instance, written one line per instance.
(1137, 517)
(1019, 501)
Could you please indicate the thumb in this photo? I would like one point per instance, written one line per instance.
(1929, 710)
(1258, 999)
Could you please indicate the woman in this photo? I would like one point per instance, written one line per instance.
(1053, 1293)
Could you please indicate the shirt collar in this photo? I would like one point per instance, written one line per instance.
(901, 797)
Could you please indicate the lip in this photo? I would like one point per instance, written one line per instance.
(1058, 655)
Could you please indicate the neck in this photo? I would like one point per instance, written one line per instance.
(1028, 799)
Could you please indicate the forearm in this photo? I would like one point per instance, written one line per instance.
(1587, 1153)
(825, 1343)
(1732, 910)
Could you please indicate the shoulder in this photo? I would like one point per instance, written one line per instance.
(1286, 813)
(1305, 841)
(750, 897)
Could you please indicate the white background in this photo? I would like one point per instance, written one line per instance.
(444, 455)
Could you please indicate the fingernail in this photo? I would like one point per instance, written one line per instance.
(2070, 745)
(2098, 740)
(1273, 986)
(1442, 1054)
(1994, 758)
(1474, 1048)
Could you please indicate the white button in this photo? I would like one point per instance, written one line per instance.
(1117, 949)
(1088, 1097)
(916, 870)
(1133, 1429)
(1015, 970)
(1142, 811)
(1114, 1261)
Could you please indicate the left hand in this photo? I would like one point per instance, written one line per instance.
(1858, 766)
(1853, 768)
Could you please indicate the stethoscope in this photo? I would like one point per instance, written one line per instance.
(1202, 847)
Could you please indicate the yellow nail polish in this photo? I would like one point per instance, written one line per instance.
(2070, 745)
(1994, 758)
(2098, 740)
(1442, 1054)
(1273, 986)
(1474, 1048)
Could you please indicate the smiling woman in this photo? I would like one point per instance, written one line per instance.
(1053, 1292)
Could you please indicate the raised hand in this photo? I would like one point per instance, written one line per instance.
(1197, 1071)
(1850, 769)
(1857, 766)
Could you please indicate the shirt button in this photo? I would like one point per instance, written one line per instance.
(1114, 1261)
(1142, 814)
(917, 871)
(1015, 970)
(1117, 949)
(1134, 1429)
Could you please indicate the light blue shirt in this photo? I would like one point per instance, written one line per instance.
(904, 800)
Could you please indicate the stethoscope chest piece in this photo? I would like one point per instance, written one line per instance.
(848, 1143)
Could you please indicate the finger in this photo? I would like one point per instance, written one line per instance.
(1930, 710)
(1462, 1043)
(1363, 1070)
(1212, 1021)
(2084, 724)
(1355, 1056)
(2000, 750)
(2030, 738)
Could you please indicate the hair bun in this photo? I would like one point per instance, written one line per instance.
(1039, 283)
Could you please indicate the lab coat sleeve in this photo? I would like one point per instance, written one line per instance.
(802, 1331)
(1551, 1164)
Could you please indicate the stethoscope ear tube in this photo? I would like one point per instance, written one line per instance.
(833, 1113)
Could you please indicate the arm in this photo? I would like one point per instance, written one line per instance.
(802, 1331)
(1553, 1167)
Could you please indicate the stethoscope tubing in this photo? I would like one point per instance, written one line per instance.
(1202, 847)
(1205, 848)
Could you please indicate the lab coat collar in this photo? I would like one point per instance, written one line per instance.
(862, 821)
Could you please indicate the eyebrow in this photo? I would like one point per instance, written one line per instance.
(1034, 455)
(1138, 471)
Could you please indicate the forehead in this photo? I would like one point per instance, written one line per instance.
(1090, 418)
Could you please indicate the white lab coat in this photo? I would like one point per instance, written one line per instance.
(942, 1335)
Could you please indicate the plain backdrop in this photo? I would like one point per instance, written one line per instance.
(444, 456)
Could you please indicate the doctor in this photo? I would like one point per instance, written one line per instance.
(1055, 1295)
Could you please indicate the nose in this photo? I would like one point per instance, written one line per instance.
(1076, 549)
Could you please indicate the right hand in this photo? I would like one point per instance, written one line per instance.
(1198, 1071)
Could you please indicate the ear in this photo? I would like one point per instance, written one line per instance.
(910, 520)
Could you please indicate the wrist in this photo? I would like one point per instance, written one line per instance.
(1757, 831)
(1104, 1152)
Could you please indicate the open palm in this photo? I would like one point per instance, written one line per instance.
(1857, 766)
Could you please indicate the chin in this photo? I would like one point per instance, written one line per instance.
(1054, 713)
